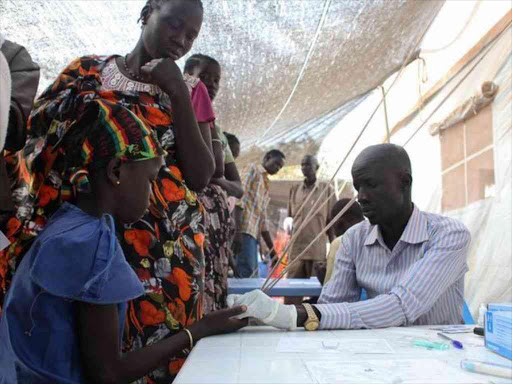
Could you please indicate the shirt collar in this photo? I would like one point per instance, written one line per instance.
(262, 170)
(415, 232)
(305, 186)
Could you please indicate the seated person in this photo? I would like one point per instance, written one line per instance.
(353, 216)
(411, 263)
(76, 277)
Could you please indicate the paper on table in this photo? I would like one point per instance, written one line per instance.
(4, 242)
(389, 372)
(316, 345)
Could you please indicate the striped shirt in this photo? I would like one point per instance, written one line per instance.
(256, 186)
(420, 282)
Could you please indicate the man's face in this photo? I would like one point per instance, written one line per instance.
(210, 76)
(309, 167)
(380, 194)
(273, 164)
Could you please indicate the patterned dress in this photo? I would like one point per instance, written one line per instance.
(165, 248)
(219, 232)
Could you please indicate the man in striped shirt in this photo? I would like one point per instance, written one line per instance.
(411, 263)
(251, 212)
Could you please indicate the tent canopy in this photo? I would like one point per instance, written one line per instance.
(289, 67)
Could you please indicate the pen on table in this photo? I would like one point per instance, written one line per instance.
(455, 343)
(479, 331)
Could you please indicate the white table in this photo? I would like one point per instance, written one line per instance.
(284, 287)
(252, 356)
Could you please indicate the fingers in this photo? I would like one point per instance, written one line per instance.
(232, 299)
(234, 311)
(240, 323)
(234, 325)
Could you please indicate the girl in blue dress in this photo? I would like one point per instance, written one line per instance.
(64, 315)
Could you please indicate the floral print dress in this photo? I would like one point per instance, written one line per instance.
(165, 248)
(217, 250)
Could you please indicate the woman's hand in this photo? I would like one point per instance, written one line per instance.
(219, 322)
(163, 73)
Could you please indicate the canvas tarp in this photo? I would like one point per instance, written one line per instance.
(263, 47)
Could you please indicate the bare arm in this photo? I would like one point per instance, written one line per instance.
(231, 183)
(194, 157)
(100, 345)
(268, 240)
(218, 154)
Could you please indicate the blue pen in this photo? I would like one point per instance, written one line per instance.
(455, 343)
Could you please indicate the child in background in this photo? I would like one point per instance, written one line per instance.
(353, 216)
(234, 144)
(75, 276)
(226, 181)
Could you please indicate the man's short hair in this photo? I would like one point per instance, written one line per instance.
(232, 139)
(275, 153)
(354, 211)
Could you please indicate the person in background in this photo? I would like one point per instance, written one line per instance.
(165, 247)
(24, 80)
(5, 101)
(313, 194)
(411, 263)
(251, 212)
(234, 144)
(218, 224)
(351, 217)
(5, 97)
(54, 337)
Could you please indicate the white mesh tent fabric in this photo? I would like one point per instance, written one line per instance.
(263, 47)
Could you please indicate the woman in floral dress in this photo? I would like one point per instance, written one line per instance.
(165, 248)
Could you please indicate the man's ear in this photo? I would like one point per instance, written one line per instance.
(114, 171)
(406, 181)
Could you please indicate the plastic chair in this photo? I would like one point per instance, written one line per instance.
(262, 269)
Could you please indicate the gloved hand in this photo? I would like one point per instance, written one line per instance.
(265, 309)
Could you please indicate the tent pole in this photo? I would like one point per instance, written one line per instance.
(388, 137)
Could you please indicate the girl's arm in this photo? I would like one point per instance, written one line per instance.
(218, 154)
(231, 184)
(194, 158)
(207, 134)
(100, 345)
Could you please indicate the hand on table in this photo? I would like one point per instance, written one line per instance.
(265, 309)
(219, 322)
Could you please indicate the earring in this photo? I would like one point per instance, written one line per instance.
(118, 182)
